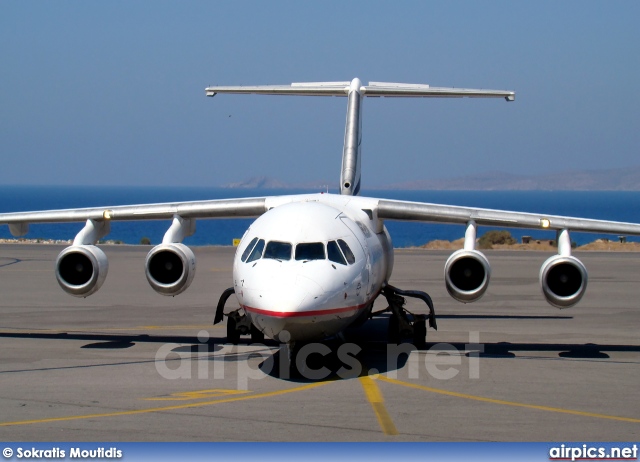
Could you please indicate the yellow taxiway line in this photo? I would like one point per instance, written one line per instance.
(376, 400)
(165, 408)
(507, 403)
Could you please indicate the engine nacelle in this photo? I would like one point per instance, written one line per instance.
(81, 269)
(170, 268)
(466, 274)
(563, 280)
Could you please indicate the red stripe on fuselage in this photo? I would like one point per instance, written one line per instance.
(297, 314)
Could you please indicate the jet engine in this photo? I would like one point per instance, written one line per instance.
(81, 269)
(466, 274)
(563, 279)
(170, 268)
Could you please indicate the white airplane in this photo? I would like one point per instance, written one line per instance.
(311, 265)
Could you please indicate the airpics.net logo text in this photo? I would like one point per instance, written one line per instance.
(588, 452)
(441, 361)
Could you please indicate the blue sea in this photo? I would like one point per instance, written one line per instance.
(605, 205)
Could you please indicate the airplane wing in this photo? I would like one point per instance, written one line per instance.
(438, 213)
(256, 206)
(222, 208)
(81, 268)
(563, 278)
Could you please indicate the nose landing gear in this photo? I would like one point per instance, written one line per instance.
(237, 323)
(404, 324)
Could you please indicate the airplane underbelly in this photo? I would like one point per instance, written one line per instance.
(304, 325)
(301, 329)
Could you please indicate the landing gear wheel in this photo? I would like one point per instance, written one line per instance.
(394, 329)
(233, 335)
(402, 323)
(291, 351)
(420, 332)
(256, 335)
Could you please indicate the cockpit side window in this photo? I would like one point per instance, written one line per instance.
(310, 251)
(333, 251)
(249, 248)
(256, 253)
(278, 250)
(347, 252)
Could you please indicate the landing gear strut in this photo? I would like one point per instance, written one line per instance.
(237, 323)
(402, 323)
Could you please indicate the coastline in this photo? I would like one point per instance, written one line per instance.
(599, 245)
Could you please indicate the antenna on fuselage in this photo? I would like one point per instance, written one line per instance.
(355, 91)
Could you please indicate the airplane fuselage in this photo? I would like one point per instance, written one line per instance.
(311, 266)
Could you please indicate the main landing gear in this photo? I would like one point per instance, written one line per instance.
(402, 323)
(237, 323)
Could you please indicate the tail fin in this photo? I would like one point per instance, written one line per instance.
(355, 91)
(351, 154)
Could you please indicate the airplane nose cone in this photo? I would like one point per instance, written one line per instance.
(286, 312)
(280, 300)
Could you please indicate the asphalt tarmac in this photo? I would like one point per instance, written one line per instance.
(127, 364)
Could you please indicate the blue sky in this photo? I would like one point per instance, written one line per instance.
(112, 93)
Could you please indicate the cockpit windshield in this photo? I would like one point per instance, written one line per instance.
(278, 250)
(351, 259)
(249, 248)
(256, 253)
(336, 251)
(310, 251)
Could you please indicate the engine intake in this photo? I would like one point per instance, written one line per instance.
(563, 280)
(81, 269)
(170, 268)
(467, 274)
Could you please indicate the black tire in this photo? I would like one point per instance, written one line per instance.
(233, 336)
(394, 329)
(420, 332)
(257, 336)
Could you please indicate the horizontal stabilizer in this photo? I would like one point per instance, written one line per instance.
(425, 91)
(300, 89)
(374, 89)
(398, 85)
(321, 84)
